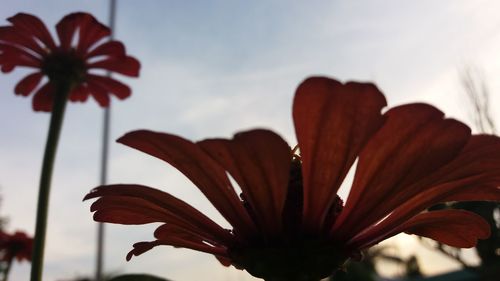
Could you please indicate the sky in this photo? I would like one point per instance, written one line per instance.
(213, 68)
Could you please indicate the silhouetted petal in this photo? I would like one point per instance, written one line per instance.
(333, 122)
(26, 86)
(414, 141)
(199, 167)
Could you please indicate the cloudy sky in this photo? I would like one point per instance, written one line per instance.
(212, 68)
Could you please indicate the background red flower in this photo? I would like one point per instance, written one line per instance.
(81, 48)
(18, 245)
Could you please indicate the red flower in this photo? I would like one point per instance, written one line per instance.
(289, 223)
(17, 245)
(27, 42)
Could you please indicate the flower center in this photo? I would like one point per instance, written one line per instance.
(297, 255)
(306, 260)
(64, 67)
(292, 212)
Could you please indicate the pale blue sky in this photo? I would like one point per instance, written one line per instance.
(211, 68)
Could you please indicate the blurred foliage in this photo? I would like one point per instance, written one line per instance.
(4, 265)
(365, 269)
(125, 277)
(479, 96)
(3, 220)
(488, 250)
(137, 277)
(106, 277)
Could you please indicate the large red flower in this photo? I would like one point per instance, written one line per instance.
(288, 223)
(17, 245)
(81, 48)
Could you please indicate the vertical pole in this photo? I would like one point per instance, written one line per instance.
(104, 158)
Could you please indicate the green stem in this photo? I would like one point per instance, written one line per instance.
(56, 120)
(7, 269)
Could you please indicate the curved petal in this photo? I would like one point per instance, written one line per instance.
(414, 142)
(167, 231)
(456, 228)
(66, 29)
(13, 49)
(80, 93)
(44, 98)
(15, 37)
(33, 25)
(136, 204)
(26, 86)
(110, 48)
(333, 121)
(259, 161)
(123, 215)
(99, 93)
(471, 176)
(124, 65)
(16, 56)
(200, 168)
(142, 247)
(131, 210)
(91, 31)
(111, 85)
(6, 68)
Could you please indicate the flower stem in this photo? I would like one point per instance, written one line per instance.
(60, 99)
(7, 270)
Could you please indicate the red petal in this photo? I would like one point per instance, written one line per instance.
(165, 231)
(6, 68)
(333, 121)
(122, 216)
(125, 65)
(91, 31)
(473, 175)
(136, 204)
(113, 86)
(170, 230)
(99, 93)
(33, 25)
(18, 56)
(80, 93)
(44, 98)
(487, 192)
(226, 261)
(456, 228)
(142, 247)
(259, 161)
(66, 29)
(111, 48)
(414, 142)
(28, 84)
(15, 37)
(199, 167)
